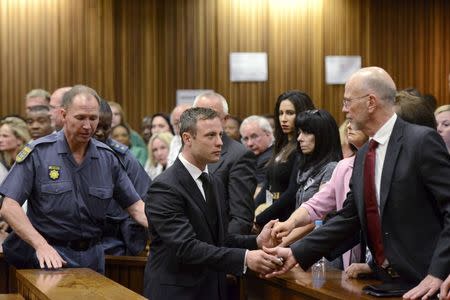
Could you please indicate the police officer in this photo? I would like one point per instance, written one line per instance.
(69, 180)
(121, 235)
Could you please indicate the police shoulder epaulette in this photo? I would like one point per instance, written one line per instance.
(118, 147)
(51, 138)
(24, 153)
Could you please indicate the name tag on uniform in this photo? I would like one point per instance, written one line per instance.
(269, 197)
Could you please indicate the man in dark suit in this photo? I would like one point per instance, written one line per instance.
(188, 255)
(409, 236)
(236, 169)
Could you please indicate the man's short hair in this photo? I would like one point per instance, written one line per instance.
(39, 108)
(38, 93)
(213, 95)
(190, 117)
(414, 109)
(78, 90)
(262, 122)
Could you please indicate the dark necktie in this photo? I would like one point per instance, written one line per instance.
(210, 201)
(370, 198)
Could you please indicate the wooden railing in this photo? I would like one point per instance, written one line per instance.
(128, 271)
(70, 283)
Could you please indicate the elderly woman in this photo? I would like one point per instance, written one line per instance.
(158, 149)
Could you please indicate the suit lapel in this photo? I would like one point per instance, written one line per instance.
(193, 193)
(358, 183)
(390, 161)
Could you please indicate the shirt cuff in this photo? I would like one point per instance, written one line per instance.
(245, 263)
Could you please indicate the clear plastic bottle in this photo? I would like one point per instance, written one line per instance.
(318, 269)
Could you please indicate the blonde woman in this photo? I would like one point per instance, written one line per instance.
(442, 115)
(158, 153)
(14, 135)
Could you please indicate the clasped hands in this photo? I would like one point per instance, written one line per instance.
(272, 260)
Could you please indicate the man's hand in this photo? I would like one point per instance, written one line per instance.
(264, 239)
(426, 288)
(286, 255)
(3, 226)
(445, 289)
(49, 257)
(355, 269)
(261, 262)
(282, 229)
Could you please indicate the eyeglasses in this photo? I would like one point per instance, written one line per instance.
(253, 137)
(346, 102)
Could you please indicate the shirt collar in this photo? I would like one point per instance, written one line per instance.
(193, 170)
(384, 133)
(63, 146)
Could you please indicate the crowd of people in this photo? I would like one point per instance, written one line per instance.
(215, 195)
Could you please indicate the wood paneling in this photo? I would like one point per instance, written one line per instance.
(139, 52)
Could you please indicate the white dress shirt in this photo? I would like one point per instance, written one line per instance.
(194, 172)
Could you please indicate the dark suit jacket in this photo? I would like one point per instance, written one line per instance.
(236, 169)
(261, 165)
(188, 258)
(414, 204)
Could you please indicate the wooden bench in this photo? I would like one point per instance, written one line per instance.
(297, 284)
(70, 284)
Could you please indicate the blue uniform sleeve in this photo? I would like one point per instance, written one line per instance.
(124, 192)
(19, 182)
(139, 178)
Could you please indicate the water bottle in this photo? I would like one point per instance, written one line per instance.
(318, 269)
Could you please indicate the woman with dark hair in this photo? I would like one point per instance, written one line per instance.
(122, 134)
(330, 198)
(161, 123)
(279, 168)
(320, 148)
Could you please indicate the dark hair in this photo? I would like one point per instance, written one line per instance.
(327, 145)
(414, 109)
(301, 102)
(430, 100)
(165, 117)
(104, 107)
(239, 121)
(124, 126)
(190, 117)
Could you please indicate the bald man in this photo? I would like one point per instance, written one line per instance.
(399, 197)
(56, 107)
(236, 168)
(175, 144)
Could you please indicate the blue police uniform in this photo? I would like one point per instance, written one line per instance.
(122, 235)
(67, 202)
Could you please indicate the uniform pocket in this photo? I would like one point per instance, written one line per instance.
(99, 201)
(56, 197)
(56, 188)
